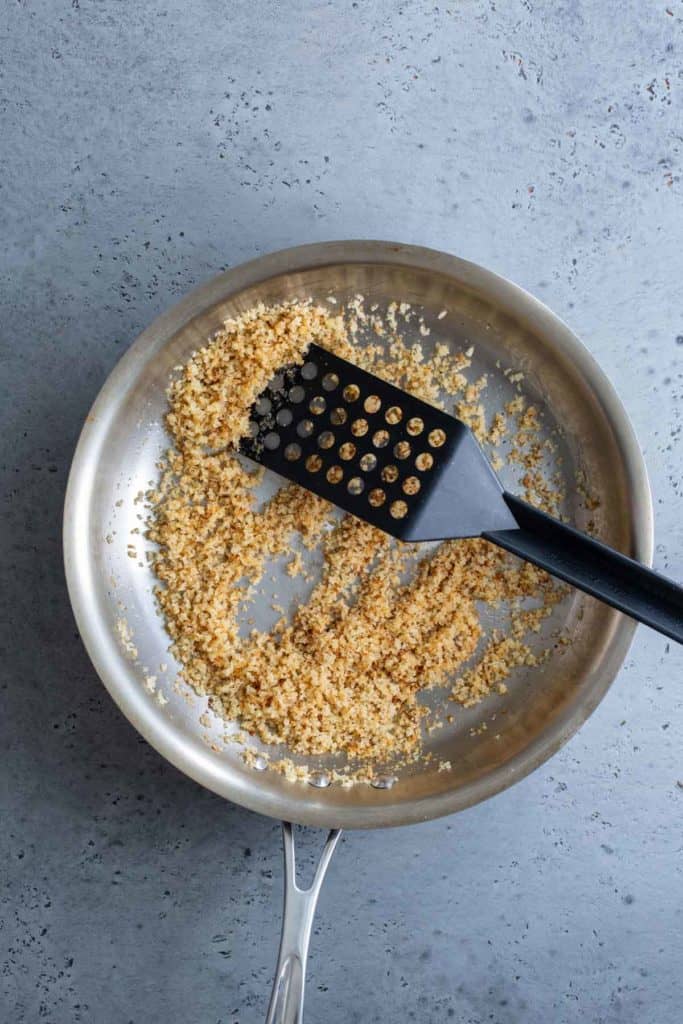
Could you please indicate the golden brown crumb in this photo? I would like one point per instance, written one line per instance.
(471, 410)
(296, 566)
(126, 639)
(498, 429)
(346, 672)
(590, 499)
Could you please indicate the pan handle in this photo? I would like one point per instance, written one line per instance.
(586, 563)
(287, 1000)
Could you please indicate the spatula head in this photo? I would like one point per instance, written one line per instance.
(375, 451)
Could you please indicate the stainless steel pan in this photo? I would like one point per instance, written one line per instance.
(115, 460)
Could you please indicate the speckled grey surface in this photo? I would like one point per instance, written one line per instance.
(145, 146)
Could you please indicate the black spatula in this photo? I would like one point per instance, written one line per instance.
(419, 474)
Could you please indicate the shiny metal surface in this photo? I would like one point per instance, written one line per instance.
(116, 456)
(287, 1000)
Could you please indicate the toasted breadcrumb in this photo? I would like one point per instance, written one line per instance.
(498, 429)
(125, 636)
(296, 566)
(590, 499)
(345, 674)
(149, 683)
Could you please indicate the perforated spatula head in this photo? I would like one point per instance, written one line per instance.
(376, 451)
(419, 474)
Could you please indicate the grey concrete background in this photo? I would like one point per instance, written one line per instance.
(143, 147)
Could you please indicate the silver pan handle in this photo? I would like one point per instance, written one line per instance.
(287, 1000)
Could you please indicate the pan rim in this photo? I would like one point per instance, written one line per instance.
(298, 804)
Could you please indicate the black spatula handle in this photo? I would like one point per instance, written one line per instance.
(591, 566)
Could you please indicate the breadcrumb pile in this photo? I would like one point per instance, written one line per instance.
(384, 621)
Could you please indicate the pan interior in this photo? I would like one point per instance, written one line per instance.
(111, 583)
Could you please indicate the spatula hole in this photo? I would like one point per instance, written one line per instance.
(355, 485)
(330, 381)
(390, 474)
(377, 497)
(415, 426)
(338, 416)
(278, 382)
(293, 452)
(263, 406)
(424, 461)
(373, 403)
(313, 463)
(402, 450)
(351, 393)
(368, 462)
(284, 417)
(317, 405)
(326, 439)
(271, 441)
(437, 438)
(359, 428)
(335, 474)
(347, 451)
(305, 428)
(411, 485)
(380, 438)
(296, 394)
(398, 510)
(252, 429)
(309, 371)
(393, 415)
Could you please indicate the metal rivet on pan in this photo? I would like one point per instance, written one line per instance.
(309, 371)
(284, 417)
(271, 441)
(320, 780)
(383, 782)
(330, 381)
(259, 763)
(263, 406)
